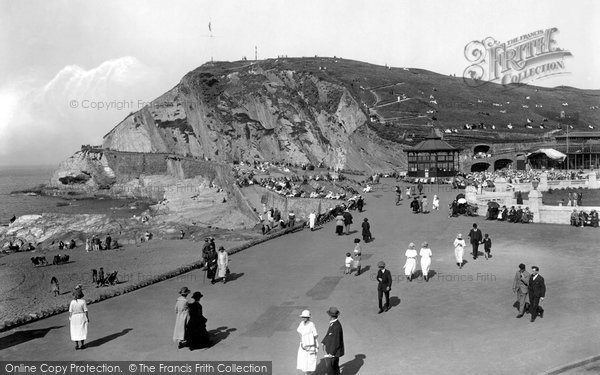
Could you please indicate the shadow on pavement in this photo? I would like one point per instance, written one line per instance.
(105, 339)
(234, 276)
(219, 334)
(353, 366)
(20, 337)
(394, 301)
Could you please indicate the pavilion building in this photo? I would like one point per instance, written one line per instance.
(433, 157)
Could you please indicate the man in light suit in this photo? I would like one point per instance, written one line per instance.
(384, 277)
(521, 287)
(537, 292)
(476, 237)
(333, 343)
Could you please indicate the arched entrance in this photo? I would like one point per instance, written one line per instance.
(480, 167)
(502, 163)
(484, 149)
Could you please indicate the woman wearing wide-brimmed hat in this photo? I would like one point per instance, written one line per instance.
(459, 250)
(196, 335)
(411, 261)
(79, 319)
(309, 346)
(425, 254)
(181, 309)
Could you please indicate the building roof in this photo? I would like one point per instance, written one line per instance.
(593, 148)
(432, 143)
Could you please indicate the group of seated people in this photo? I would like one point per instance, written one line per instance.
(583, 219)
(512, 215)
(455, 209)
(20, 245)
(272, 218)
(292, 185)
(69, 245)
(96, 243)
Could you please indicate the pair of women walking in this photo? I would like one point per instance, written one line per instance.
(411, 261)
(190, 324)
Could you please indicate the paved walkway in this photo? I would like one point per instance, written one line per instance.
(462, 321)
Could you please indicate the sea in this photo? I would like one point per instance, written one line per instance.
(13, 179)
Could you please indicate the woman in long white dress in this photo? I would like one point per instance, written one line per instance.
(182, 311)
(312, 219)
(411, 261)
(459, 250)
(307, 351)
(78, 316)
(425, 254)
(222, 264)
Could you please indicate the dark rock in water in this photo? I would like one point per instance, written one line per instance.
(62, 204)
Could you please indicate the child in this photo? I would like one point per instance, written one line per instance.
(487, 246)
(348, 264)
(357, 248)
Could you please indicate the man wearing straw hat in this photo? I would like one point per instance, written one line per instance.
(333, 343)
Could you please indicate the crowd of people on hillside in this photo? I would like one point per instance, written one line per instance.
(302, 186)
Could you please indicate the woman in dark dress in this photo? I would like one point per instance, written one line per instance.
(366, 230)
(196, 334)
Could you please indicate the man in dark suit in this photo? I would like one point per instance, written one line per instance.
(475, 235)
(384, 277)
(537, 292)
(333, 343)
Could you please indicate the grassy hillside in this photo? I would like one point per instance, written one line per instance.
(406, 102)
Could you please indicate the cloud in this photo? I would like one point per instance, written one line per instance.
(44, 122)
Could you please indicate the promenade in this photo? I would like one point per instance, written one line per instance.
(461, 321)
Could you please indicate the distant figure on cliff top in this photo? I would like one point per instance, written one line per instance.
(12, 219)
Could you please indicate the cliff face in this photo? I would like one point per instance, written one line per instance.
(248, 113)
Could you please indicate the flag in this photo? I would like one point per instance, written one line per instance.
(209, 28)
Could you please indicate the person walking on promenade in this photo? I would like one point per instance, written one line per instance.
(366, 230)
(205, 252)
(459, 250)
(291, 219)
(521, 288)
(435, 203)
(415, 205)
(384, 278)
(182, 312)
(475, 237)
(212, 260)
(339, 224)
(347, 220)
(357, 254)
(487, 246)
(196, 335)
(54, 287)
(348, 264)
(408, 195)
(425, 254)
(79, 319)
(360, 203)
(312, 219)
(424, 205)
(333, 343)
(411, 261)
(398, 191)
(537, 292)
(420, 187)
(309, 346)
(222, 264)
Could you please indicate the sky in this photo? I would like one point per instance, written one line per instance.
(71, 70)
